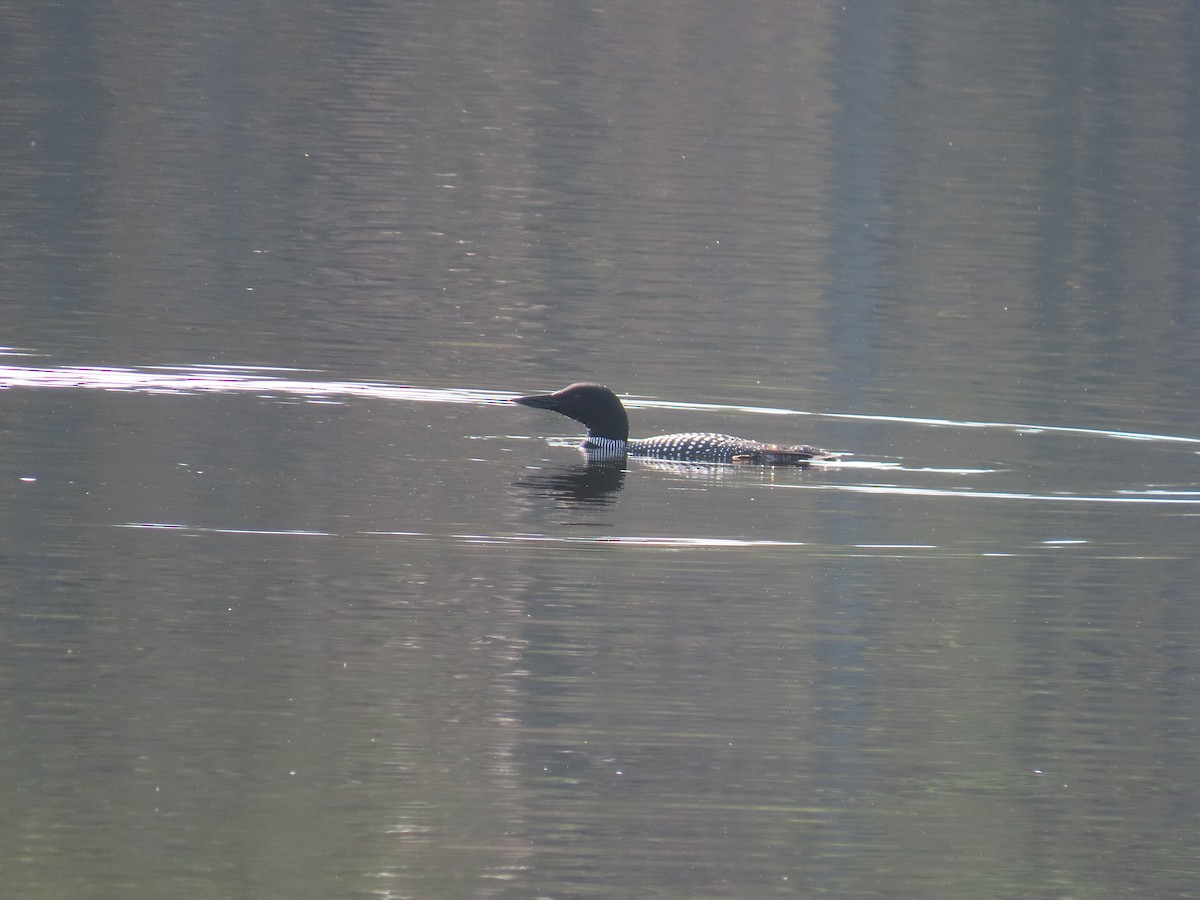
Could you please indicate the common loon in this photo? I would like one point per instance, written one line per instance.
(602, 412)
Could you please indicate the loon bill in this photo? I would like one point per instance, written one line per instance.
(603, 414)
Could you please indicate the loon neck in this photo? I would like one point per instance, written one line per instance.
(604, 446)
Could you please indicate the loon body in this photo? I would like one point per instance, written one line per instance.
(602, 412)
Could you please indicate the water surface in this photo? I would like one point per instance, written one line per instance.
(294, 603)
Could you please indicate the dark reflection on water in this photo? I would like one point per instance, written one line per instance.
(292, 604)
(582, 484)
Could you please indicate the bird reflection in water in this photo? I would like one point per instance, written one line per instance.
(584, 484)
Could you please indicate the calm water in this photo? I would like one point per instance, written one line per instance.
(294, 604)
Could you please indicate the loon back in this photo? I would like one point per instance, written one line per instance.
(604, 416)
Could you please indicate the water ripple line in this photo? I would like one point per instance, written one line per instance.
(1127, 496)
(207, 378)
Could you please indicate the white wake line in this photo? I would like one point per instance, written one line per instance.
(627, 540)
(221, 379)
(230, 379)
(982, 495)
(918, 420)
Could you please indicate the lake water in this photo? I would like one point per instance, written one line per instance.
(294, 603)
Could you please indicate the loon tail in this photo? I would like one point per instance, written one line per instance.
(772, 455)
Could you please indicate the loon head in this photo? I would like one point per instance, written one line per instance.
(594, 405)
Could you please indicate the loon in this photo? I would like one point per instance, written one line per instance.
(602, 412)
